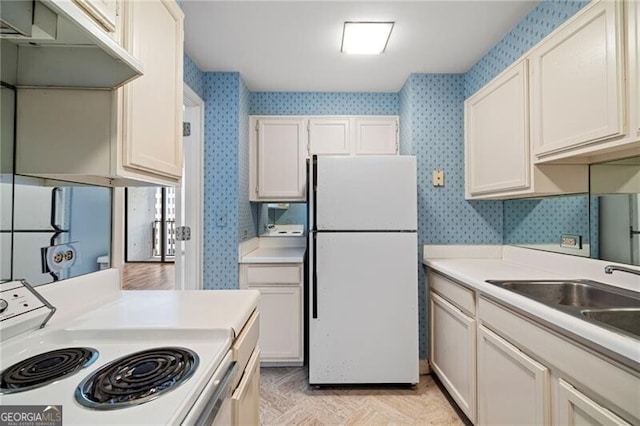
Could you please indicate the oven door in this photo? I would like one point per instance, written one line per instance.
(213, 407)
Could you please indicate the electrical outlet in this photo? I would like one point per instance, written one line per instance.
(571, 241)
(60, 257)
(438, 177)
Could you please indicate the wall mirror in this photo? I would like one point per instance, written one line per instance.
(606, 221)
(615, 187)
(37, 213)
(281, 214)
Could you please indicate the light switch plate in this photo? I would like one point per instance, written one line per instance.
(438, 177)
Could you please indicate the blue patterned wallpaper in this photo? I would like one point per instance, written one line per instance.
(432, 122)
(222, 113)
(539, 221)
(543, 19)
(193, 76)
(325, 103)
(247, 212)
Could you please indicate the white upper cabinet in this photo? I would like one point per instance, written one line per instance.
(152, 104)
(376, 136)
(132, 136)
(497, 146)
(105, 12)
(633, 25)
(577, 84)
(277, 155)
(497, 135)
(329, 136)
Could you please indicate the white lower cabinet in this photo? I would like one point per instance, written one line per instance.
(574, 408)
(507, 374)
(280, 306)
(517, 371)
(245, 400)
(281, 324)
(453, 351)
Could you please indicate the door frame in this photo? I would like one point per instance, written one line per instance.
(193, 194)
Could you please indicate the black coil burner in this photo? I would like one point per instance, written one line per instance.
(45, 368)
(137, 378)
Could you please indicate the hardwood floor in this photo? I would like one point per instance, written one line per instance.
(287, 399)
(148, 276)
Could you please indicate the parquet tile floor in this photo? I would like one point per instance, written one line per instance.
(287, 399)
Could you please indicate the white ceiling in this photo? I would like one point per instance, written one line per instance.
(295, 45)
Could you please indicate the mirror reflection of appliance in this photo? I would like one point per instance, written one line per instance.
(41, 219)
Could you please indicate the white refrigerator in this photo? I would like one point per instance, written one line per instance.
(363, 275)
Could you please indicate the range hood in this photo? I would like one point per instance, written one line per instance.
(59, 45)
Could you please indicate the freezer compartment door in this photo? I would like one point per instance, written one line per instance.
(363, 325)
(366, 193)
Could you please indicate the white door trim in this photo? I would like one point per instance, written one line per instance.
(195, 192)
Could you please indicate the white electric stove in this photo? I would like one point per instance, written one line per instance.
(122, 376)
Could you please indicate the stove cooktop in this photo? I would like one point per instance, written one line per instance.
(137, 378)
(42, 369)
(169, 398)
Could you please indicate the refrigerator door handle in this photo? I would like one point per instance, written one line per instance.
(314, 188)
(314, 280)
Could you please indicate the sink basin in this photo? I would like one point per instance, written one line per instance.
(604, 305)
(571, 293)
(623, 319)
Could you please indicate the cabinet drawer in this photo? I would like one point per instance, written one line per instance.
(245, 342)
(246, 398)
(460, 296)
(274, 274)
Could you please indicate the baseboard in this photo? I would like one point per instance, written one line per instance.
(423, 366)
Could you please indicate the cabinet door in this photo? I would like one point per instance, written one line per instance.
(574, 408)
(497, 135)
(103, 11)
(513, 389)
(280, 159)
(453, 352)
(329, 136)
(376, 136)
(152, 133)
(576, 82)
(633, 20)
(246, 398)
(280, 322)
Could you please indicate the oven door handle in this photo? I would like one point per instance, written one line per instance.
(223, 391)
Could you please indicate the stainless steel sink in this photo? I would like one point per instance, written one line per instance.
(607, 306)
(571, 293)
(623, 319)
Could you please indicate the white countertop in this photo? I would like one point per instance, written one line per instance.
(518, 264)
(105, 306)
(273, 250)
(192, 309)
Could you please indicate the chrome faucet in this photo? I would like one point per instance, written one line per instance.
(609, 269)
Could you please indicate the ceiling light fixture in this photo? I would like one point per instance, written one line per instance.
(365, 38)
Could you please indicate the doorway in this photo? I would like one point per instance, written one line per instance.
(163, 225)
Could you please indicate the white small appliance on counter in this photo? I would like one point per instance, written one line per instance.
(363, 298)
(283, 231)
